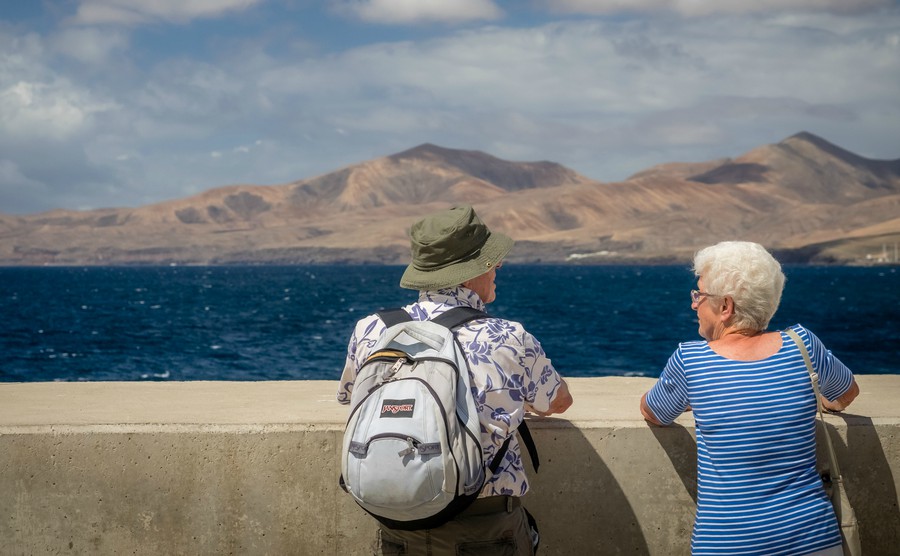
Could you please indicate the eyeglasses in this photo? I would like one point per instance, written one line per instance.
(697, 295)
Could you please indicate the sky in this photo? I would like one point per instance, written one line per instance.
(123, 103)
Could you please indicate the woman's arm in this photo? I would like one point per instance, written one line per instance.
(844, 400)
(647, 412)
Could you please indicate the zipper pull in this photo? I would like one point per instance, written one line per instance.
(388, 374)
(411, 447)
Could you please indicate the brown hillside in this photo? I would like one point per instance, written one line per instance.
(803, 196)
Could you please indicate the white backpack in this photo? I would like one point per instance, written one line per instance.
(412, 454)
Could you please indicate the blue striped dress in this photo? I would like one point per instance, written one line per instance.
(758, 492)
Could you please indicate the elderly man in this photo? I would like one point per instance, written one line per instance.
(455, 258)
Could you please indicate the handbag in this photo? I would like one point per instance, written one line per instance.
(831, 476)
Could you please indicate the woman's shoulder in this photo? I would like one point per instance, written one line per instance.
(805, 333)
(693, 348)
(693, 345)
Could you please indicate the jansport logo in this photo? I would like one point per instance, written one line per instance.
(398, 408)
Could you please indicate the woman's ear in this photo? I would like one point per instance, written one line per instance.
(726, 309)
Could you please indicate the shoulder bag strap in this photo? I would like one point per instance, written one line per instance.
(814, 378)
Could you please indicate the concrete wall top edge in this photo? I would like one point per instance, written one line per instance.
(255, 407)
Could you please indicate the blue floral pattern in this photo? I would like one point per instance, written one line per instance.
(510, 374)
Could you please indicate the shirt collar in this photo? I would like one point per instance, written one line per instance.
(458, 296)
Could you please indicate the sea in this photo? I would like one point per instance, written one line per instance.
(248, 323)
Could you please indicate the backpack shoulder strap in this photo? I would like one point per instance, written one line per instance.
(452, 318)
(390, 317)
(458, 316)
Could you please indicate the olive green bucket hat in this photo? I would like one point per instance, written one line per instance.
(452, 247)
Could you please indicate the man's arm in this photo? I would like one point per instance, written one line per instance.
(563, 399)
(560, 402)
(365, 334)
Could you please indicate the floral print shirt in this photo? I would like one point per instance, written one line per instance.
(509, 371)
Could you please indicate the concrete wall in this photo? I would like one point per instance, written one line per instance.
(251, 468)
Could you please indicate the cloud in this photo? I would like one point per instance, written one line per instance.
(89, 45)
(54, 109)
(406, 12)
(132, 12)
(691, 8)
(38, 101)
(11, 177)
(605, 96)
(239, 150)
(38, 174)
(20, 194)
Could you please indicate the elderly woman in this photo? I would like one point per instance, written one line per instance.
(754, 409)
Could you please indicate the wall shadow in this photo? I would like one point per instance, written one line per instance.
(681, 448)
(871, 487)
(578, 494)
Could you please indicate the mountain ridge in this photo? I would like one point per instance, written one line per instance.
(802, 195)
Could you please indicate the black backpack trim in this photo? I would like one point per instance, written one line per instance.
(454, 319)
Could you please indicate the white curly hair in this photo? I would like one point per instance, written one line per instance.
(748, 274)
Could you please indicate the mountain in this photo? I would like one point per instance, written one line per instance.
(805, 198)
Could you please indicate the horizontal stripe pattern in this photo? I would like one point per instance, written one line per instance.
(758, 492)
